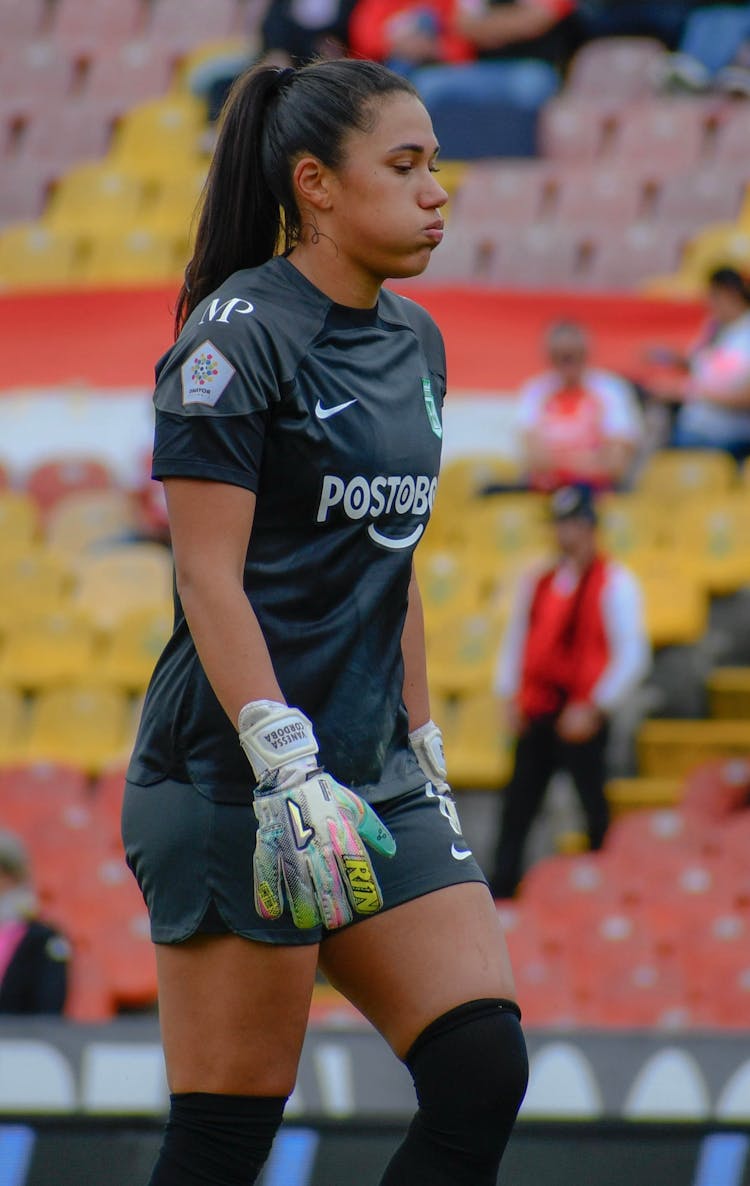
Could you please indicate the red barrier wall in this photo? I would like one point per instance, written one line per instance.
(113, 338)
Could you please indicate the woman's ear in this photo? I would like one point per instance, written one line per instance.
(312, 183)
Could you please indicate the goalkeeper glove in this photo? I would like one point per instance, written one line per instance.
(309, 846)
(427, 743)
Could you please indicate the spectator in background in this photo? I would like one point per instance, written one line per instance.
(33, 956)
(574, 650)
(714, 51)
(407, 36)
(520, 45)
(297, 31)
(662, 19)
(714, 391)
(578, 423)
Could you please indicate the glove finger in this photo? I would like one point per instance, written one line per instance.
(300, 894)
(266, 880)
(361, 884)
(369, 825)
(330, 891)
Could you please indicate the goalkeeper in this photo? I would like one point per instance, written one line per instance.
(286, 802)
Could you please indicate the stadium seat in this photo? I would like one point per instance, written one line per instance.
(670, 474)
(38, 75)
(729, 692)
(716, 790)
(609, 198)
(665, 829)
(89, 519)
(23, 194)
(160, 136)
(629, 523)
(139, 256)
(34, 582)
(723, 244)
(463, 258)
(538, 257)
(185, 24)
(35, 256)
(463, 653)
(173, 208)
(128, 963)
(672, 748)
(501, 193)
(88, 998)
(619, 67)
(464, 478)
(85, 27)
(95, 198)
(120, 76)
(557, 884)
(675, 602)
(701, 196)
(64, 135)
(575, 129)
(85, 726)
(446, 585)
(627, 260)
(107, 797)
(51, 481)
(46, 650)
(667, 133)
(21, 21)
(131, 650)
(630, 794)
(713, 537)
(19, 523)
(114, 584)
(477, 752)
(730, 147)
(631, 992)
(506, 527)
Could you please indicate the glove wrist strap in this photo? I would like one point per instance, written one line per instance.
(275, 735)
(427, 743)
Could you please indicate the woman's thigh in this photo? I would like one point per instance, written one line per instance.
(233, 1013)
(407, 966)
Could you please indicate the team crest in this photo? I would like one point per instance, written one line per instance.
(205, 375)
(432, 413)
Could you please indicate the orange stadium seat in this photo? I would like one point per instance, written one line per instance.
(715, 790)
(609, 198)
(500, 193)
(51, 481)
(84, 27)
(659, 831)
(122, 75)
(619, 67)
(537, 257)
(667, 133)
(701, 196)
(629, 259)
(575, 129)
(107, 798)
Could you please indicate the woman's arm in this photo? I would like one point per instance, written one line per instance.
(210, 524)
(495, 28)
(416, 694)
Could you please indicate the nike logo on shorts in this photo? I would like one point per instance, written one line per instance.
(460, 854)
(323, 413)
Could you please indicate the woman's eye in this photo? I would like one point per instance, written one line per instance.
(434, 168)
(403, 168)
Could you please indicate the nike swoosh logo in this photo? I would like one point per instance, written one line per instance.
(400, 541)
(323, 413)
(460, 854)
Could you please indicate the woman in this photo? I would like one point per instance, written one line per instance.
(298, 436)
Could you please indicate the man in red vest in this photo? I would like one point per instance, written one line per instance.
(574, 649)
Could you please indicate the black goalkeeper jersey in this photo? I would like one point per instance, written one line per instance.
(332, 416)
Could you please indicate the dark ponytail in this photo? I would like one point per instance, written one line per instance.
(271, 118)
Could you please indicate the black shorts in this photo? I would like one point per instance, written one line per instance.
(192, 859)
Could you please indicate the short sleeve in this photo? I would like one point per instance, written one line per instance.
(622, 417)
(213, 397)
(531, 397)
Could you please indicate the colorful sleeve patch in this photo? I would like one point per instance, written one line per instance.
(206, 373)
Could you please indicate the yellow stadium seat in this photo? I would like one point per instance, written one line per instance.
(714, 539)
(672, 748)
(462, 654)
(88, 518)
(19, 523)
(173, 207)
(629, 523)
(13, 723)
(729, 692)
(133, 647)
(94, 199)
(33, 255)
(636, 794)
(46, 651)
(448, 586)
(155, 137)
(672, 474)
(234, 52)
(723, 244)
(34, 583)
(139, 256)
(478, 754)
(465, 477)
(113, 584)
(675, 608)
(80, 725)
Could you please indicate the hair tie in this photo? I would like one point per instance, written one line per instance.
(283, 78)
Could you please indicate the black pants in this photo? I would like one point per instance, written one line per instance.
(539, 754)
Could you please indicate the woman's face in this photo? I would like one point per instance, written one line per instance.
(385, 215)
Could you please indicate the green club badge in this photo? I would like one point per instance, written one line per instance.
(429, 403)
